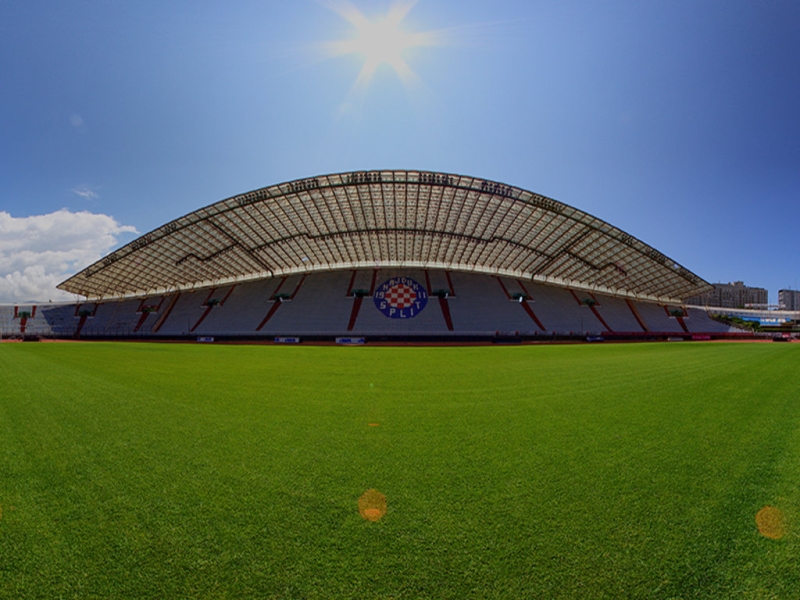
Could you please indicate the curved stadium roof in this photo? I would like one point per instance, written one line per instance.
(388, 219)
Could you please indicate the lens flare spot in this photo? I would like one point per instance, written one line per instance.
(372, 514)
(372, 505)
(770, 522)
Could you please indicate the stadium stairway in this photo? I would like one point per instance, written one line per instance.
(443, 290)
(677, 313)
(358, 293)
(525, 302)
(280, 295)
(23, 316)
(587, 299)
(210, 303)
(145, 310)
(636, 315)
(165, 315)
(243, 309)
(83, 314)
(657, 319)
(516, 292)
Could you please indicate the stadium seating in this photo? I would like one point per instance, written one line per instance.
(618, 315)
(658, 319)
(341, 303)
(481, 307)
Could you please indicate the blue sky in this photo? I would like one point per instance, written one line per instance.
(678, 122)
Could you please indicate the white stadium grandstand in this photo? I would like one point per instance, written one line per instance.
(381, 255)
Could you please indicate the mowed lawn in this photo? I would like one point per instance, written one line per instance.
(556, 471)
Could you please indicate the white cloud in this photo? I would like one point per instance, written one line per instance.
(39, 252)
(76, 121)
(86, 191)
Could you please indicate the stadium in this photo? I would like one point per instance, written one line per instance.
(380, 255)
(440, 450)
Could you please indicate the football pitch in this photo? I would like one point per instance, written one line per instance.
(656, 470)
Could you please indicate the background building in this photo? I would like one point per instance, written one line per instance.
(731, 295)
(789, 299)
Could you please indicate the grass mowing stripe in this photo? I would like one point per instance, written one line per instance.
(537, 471)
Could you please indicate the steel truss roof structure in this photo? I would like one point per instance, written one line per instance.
(388, 219)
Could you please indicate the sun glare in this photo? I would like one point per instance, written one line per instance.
(380, 42)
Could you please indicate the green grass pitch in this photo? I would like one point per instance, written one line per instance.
(583, 471)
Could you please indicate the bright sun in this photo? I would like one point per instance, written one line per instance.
(380, 42)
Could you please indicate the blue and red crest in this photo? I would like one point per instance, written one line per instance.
(400, 298)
